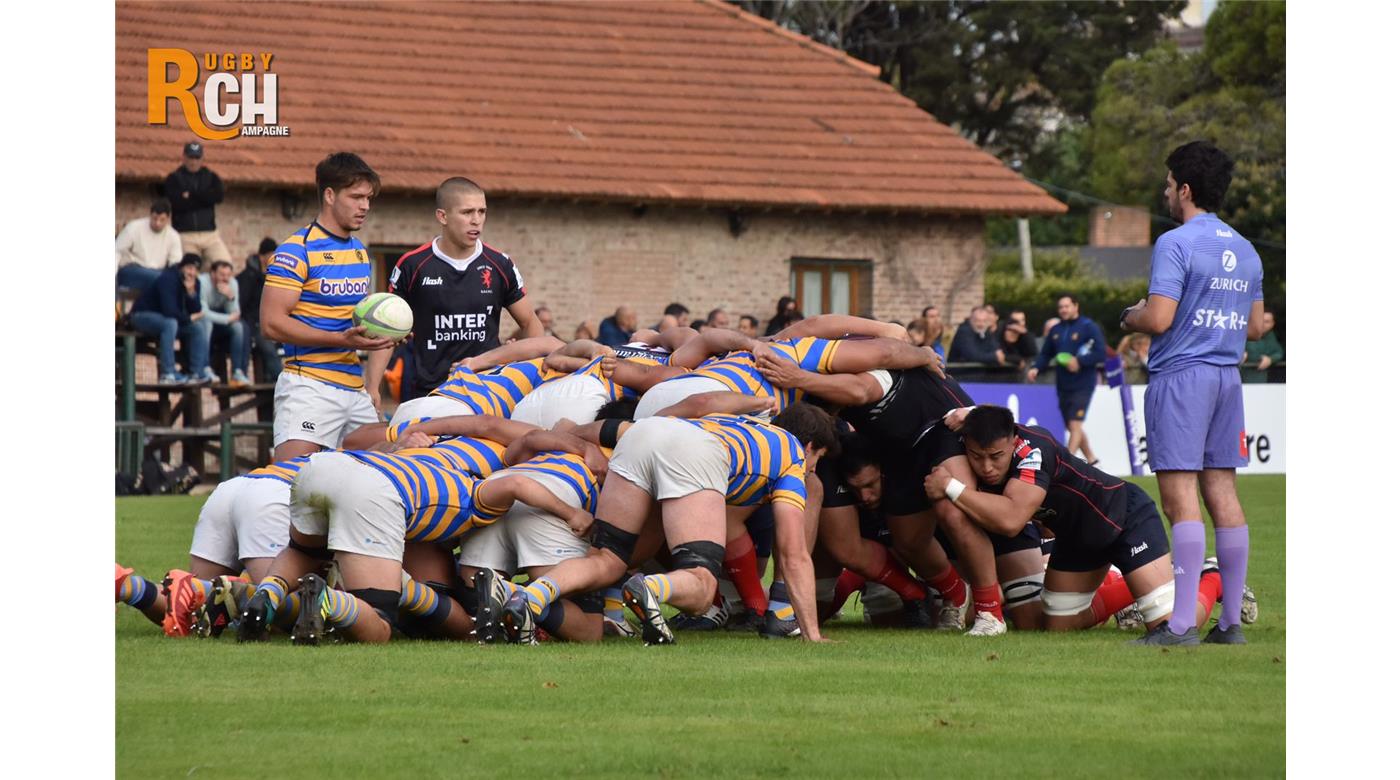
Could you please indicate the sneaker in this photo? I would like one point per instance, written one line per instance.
(711, 619)
(238, 379)
(181, 602)
(122, 574)
(491, 598)
(775, 627)
(639, 598)
(205, 377)
(310, 624)
(173, 379)
(255, 620)
(919, 614)
(518, 621)
(618, 628)
(222, 607)
(986, 624)
(744, 620)
(1162, 636)
(953, 617)
(1234, 635)
(1249, 607)
(1129, 618)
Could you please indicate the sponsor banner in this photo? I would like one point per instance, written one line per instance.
(1032, 404)
(1266, 434)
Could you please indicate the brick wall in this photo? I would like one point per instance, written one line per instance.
(582, 260)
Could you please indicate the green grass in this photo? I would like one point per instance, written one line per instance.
(880, 703)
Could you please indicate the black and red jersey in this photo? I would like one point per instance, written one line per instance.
(917, 400)
(456, 305)
(1081, 502)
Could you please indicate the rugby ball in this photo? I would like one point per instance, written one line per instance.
(384, 315)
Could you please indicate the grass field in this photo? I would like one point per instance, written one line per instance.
(880, 703)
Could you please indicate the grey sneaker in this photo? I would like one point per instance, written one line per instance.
(951, 616)
(986, 624)
(1234, 635)
(1162, 636)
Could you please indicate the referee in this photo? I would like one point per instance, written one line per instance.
(457, 287)
(1204, 299)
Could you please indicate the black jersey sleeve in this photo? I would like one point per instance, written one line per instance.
(515, 282)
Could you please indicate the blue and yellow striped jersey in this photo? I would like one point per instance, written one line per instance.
(332, 274)
(739, 373)
(439, 503)
(497, 391)
(283, 471)
(766, 463)
(474, 456)
(567, 468)
(466, 386)
(613, 389)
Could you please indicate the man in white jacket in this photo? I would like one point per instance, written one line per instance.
(147, 246)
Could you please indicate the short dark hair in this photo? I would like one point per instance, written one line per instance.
(677, 310)
(926, 310)
(344, 169)
(697, 324)
(1206, 169)
(857, 452)
(1074, 299)
(267, 245)
(217, 264)
(711, 316)
(750, 318)
(621, 409)
(193, 259)
(457, 185)
(160, 206)
(987, 423)
(811, 426)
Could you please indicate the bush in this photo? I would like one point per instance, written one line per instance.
(1057, 273)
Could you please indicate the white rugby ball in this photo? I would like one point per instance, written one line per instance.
(385, 315)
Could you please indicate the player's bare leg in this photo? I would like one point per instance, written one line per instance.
(294, 448)
(1079, 441)
(975, 555)
(695, 530)
(915, 543)
(1022, 576)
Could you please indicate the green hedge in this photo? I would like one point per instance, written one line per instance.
(1056, 273)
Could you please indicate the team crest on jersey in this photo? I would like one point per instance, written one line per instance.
(1074, 337)
(360, 255)
(1030, 461)
(328, 256)
(486, 278)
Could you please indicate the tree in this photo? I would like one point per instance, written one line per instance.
(1231, 94)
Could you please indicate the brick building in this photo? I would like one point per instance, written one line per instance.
(632, 152)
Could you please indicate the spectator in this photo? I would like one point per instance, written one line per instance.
(223, 320)
(147, 246)
(974, 341)
(748, 325)
(583, 331)
(918, 332)
(675, 316)
(1259, 355)
(697, 325)
(1048, 326)
(1017, 344)
(617, 330)
(717, 318)
(546, 318)
(250, 289)
(193, 191)
(1133, 352)
(933, 329)
(171, 307)
(786, 315)
(1076, 345)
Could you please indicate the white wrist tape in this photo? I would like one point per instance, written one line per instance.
(954, 489)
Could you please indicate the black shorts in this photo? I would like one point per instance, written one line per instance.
(1028, 539)
(1143, 540)
(1074, 405)
(873, 526)
(904, 472)
(760, 525)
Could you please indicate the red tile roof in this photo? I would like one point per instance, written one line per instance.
(683, 102)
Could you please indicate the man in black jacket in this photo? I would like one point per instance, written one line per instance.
(170, 307)
(974, 341)
(250, 287)
(193, 191)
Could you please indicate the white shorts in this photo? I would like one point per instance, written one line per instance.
(575, 398)
(670, 458)
(350, 503)
(428, 406)
(244, 518)
(309, 410)
(673, 391)
(525, 536)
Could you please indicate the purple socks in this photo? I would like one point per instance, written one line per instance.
(1232, 547)
(1188, 556)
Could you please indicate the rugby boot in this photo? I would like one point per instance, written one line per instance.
(952, 617)
(310, 624)
(491, 598)
(711, 619)
(1234, 635)
(647, 609)
(255, 620)
(775, 627)
(1162, 636)
(986, 624)
(517, 621)
(222, 606)
(181, 603)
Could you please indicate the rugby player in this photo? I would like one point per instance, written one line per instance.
(457, 286)
(695, 468)
(493, 392)
(1205, 297)
(313, 283)
(1098, 520)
